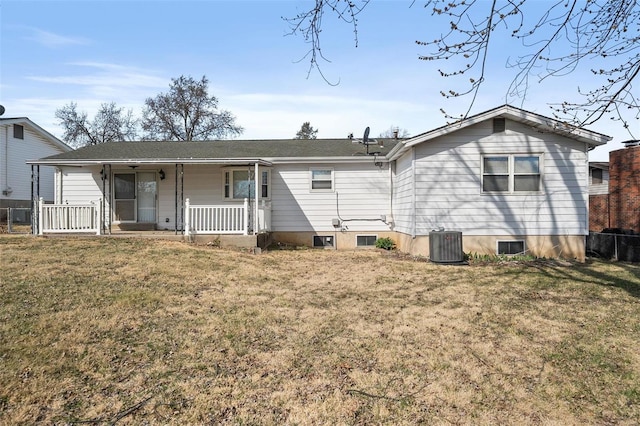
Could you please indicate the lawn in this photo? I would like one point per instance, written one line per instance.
(132, 331)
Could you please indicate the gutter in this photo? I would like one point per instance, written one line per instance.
(164, 161)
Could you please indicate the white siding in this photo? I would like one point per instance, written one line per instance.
(15, 173)
(80, 185)
(448, 184)
(403, 182)
(361, 192)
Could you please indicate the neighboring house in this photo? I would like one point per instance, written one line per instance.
(598, 196)
(617, 206)
(509, 180)
(22, 140)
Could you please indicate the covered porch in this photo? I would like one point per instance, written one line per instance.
(205, 197)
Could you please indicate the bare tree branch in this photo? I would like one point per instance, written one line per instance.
(567, 35)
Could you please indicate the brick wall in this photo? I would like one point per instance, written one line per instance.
(598, 212)
(624, 188)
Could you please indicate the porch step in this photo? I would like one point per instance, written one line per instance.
(134, 227)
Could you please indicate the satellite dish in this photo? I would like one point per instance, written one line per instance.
(1, 110)
(365, 138)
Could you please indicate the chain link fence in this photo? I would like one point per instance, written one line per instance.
(18, 220)
(617, 244)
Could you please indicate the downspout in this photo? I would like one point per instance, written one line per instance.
(6, 158)
(392, 170)
(413, 192)
(182, 196)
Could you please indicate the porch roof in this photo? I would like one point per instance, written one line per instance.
(263, 152)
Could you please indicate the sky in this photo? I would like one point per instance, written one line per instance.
(124, 51)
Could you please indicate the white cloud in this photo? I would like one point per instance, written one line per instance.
(52, 40)
(273, 116)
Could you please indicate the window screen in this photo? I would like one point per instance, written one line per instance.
(322, 179)
(511, 247)
(366, 240)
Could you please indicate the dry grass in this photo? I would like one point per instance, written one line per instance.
(132, 331)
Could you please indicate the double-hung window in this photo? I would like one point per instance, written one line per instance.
(321, 180)
(512, 173)
(240, 184)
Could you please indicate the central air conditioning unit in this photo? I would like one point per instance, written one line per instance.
(445, 247)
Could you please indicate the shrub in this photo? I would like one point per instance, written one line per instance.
(385, 243)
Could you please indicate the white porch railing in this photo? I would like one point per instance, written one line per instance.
(65, 218)
(226, 219)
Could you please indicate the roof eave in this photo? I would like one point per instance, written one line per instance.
(531, 119)
(149, 161)
(57, 142)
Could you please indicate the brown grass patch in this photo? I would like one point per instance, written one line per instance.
(156, 332)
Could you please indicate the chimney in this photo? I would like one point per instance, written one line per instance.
(631, 143)
(395, 133)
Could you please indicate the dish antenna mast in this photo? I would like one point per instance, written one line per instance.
(366, 141)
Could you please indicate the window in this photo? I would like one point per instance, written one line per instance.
(511, 247)
(321, 180)
(511, 173)
(596, 176)
(322, 241)
(366, 240)
(240, 184)
(18, 131)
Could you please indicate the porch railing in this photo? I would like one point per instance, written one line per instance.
(226, 219)
(65, 218)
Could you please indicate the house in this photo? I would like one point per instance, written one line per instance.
(598, 196)
(21, 140)
(510, 181)
(615, 198)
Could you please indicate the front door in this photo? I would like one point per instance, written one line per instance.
(135, 197)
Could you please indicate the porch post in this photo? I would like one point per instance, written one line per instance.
(34, 205)
(246, 216)
(175, 205)
(187, 225)
(97, 217)
(109, 200)
(40, 218)
(257, 187)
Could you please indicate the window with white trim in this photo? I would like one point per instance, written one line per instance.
(510, 247)
(511, 173)
(240, 184)
(321, 180)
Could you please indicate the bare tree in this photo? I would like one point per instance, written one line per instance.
(110, 124)
(307, 131)
(187, 113)
(566, 35)
(394, 132)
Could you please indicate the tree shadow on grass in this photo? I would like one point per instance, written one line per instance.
(625, 276)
